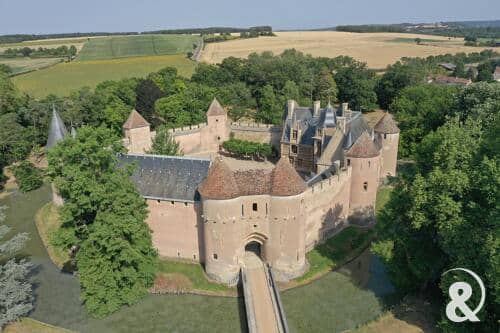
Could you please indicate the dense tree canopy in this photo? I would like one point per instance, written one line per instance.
(446, 214)
(103, 215)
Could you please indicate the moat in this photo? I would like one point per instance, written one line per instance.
(341, 300)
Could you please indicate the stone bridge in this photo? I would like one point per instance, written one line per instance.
(265, 313)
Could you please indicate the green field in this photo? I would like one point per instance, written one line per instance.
(26, 64)
(63, 78)
(134, 46)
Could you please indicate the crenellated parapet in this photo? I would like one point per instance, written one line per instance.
(187, 129)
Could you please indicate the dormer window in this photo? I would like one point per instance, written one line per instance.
(294, 134)
(294, 149)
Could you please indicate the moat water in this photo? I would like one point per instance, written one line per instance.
(342, 300)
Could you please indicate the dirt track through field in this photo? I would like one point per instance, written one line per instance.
(376, 49)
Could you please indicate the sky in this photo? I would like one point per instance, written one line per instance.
(60, 16)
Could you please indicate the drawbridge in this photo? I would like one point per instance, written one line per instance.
(265, 313)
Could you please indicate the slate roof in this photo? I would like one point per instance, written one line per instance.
(57, 130)
(167, 177)
(135, 120)
(364, 147)
(215, 109)
(386, 125)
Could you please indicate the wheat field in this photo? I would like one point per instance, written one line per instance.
(376, 49)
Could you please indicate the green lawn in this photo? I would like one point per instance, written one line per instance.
(383, 196)
(342, 247)
(63, 78)
(195, 274)
(132, 46)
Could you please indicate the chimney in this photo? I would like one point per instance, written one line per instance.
(345, 107)
(291, 107)
(336, 166)
(317, 105)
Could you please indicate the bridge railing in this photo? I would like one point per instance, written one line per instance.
(277, 304)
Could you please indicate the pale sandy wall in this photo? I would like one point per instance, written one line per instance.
(139, 140)
(364, 170)
(389, 159)
(258, 133)
(327, 207)
(229, 225)
(189, 142)
(176, 229)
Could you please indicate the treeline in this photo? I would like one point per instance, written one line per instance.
(252, 33)
(451, 29)
(212, 30)
(61, 51)
(18, 38)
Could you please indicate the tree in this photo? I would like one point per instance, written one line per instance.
(27, 176)
(419, 110)
(446, 215)
(15, 141)
(418, 40)
(485, 72)
(147, 93)
(270, 109)
(325, 88)
(459, 70)
(164, 79)
(291, 91)
(16, 298)
(356, 86)
(397, 77)
(164, 143)
(103, 215)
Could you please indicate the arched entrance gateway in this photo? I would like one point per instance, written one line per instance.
(255, 243)
(253, 247)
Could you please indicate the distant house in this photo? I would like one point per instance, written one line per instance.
(448, 66)
(496, 74)
(451, 81)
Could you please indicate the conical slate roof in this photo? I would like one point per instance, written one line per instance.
(215, 109)
(220, 182)
(387, 125)
(135, 120)
(285, 180)
(364, 147)
(57, 130)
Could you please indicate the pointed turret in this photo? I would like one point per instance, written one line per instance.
(216, 109)
(220, 182)
(330, 116)
(386, 125)
(364, 147)
(135, 120)
(285, 180)
(347, 141)
(57, 130)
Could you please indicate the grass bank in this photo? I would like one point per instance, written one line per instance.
(28, 325)
(63, 78)
(336, 251)
(185, 277)
(47, 221)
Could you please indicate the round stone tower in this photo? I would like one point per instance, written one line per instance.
(387, 131)
(254, 210)
(364, 159)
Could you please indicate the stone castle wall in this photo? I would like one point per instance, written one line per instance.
(176, 229)
(389, 154)
(327, 207)
(262, 133)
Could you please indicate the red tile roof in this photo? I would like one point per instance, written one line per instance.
(222, 183)
(215, 109)
(135, 120)
(386, 125)
(364, 147)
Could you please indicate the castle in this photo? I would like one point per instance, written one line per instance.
(207, 210)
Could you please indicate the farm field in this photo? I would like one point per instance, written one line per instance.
(63, 78)
(132, 46)
(376, 49)
(47, 43)
(22, 65)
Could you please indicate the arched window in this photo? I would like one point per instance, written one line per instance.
(365, 186)
(216, 256)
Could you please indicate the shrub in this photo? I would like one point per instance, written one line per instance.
(28, 177)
